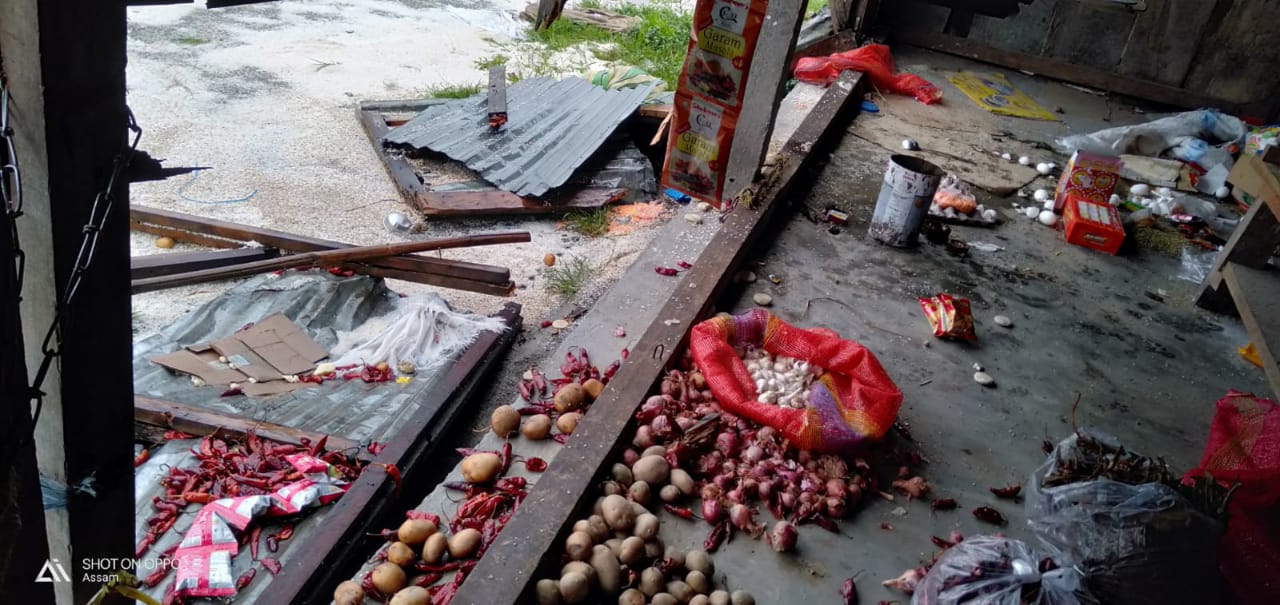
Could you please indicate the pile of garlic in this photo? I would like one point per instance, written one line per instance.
(781, 380)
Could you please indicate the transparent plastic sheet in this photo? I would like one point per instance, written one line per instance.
(423, 331)
(998, 571)
(1136, 544)
(1196, 264)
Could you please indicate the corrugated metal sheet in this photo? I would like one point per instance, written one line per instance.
(553, 126)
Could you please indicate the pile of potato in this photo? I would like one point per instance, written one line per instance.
(417, 539)
(616, 551)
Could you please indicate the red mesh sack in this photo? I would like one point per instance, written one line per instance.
(854, 400)
(1244, 447)
(874, 60)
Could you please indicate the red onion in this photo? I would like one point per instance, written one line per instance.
(788, 500)
(749, 486)
(836, 507)
(804, 457)
(736, 496)
(783, 536)
(836, 488)
(663, 427)
(684, 423)
(707, 394)
(725, 481)
(727, 443)
(711, 491)
(694, 395)
(956, 537)
(766, 434)
(855, 494)
(712, 510)
(644, 437)
(651, 409)
(807, 497)
(709, 464)
(833, 467)
(669, 387)
(765, 489)
(740, 516)
(704, 410)
(753, 454)
(728, 467)
(630, 456)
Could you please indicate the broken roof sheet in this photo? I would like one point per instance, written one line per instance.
(553, 126)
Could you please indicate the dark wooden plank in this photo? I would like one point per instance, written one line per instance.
(497, 96)
(181, 235)
(300, 243)
(770, 69)
(830, 45)
(1164, 40)
(1238, 53)
(655, 111)
(1255, 294)
(152, 265)
(324, 258)
(1027, 32)
(199, 421)
(497, 202)
(405, 177)
(336, 550)
(1251, 245)
(1088, 35)
(959, 23)
(1060, 70)
(841, 14)
(443, 281)
(529, 543)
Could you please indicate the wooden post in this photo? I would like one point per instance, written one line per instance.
(65, 62)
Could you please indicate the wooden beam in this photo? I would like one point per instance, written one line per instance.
(398, 168)
(338, 548)
(529, 545)
(497, 96)
(324, 258)
(766, 79)
(1255, 293)
(154, 265)
(300, 243)
(830, 45)
(1067, 72)
(498, 202)
(172, 415)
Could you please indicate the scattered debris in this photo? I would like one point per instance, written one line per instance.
(560, 324)
(746, 277)
(910, 144)
(1003, 321)
(984, 379)
(694, 219)
(762, 299)
(549, 259)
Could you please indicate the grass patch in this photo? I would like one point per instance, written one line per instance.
(568, 276)
(814, 7)
(591, 224)
(454, 91)
(191, 41)
(658, 46)
(484, 63)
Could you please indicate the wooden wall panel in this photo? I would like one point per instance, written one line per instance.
(1164, 40)
(1087, 35)
(1238, 56)
(1027, 32)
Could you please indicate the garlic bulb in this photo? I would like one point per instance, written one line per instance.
(781, 380)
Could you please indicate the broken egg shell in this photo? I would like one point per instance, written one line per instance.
(1048, 218)
(1139, 190)
(762, 299)
(989, 215)
(1024, 160)
(694, 219)
(1008, 157)
(1115, 200)
(910, 144)
(1003, 321)
(1031, 212)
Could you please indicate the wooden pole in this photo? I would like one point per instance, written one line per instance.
(327, 257)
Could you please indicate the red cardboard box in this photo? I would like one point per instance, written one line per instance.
(1092, 225)
(1091, 176)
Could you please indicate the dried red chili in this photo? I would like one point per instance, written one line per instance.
(990, 515)
(849, 592)
(535, 465)
(943, 504)
(272, 565)
(667, 271)
(246, 577)
(1007, 492)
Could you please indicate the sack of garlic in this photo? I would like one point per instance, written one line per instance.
(781, 380)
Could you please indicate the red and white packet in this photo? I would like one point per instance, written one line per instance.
(205, 553)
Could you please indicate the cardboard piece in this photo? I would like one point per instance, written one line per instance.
(1253, 180)
(1088, 176)
(266, 351)
(1092, 225)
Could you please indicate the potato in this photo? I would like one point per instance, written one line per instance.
(388, 578)
(681, 591)
(618, 513)
(631, 551)
(698, 582)
(570, 397)
(567, 423)
(699, 599)
(622, 474)
(651, 581)
(699, 560)
(719, 597)
(464, 543)
(481, 467)
(504, 421)
(574, 587)
(163, 241)
(631, 597)
(578, 545)
(412, 595)
(675, 555)
(581, 567)
(536, 427)
(653, 549)
(548, 592)
(615, 546)
(595, 508)
(433, 549)
(742, 597)
(682, 480)
(611, 488)
(415, 531)
(598, 529)
(670, 493)
(664, 598)
(582, 525)
(350, 593)
(593, 388)
(639, 492)
(654, 450)
(638, 509)
(653, 470)
(400, 554)
(646, 526)
(608, 572)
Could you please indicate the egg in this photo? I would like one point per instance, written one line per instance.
(1222, 192)
(1115, 200)
(1031, 212)
(1024, 160)
(1048, 218)
(989, 215)
(1164, 192)
(1048, 205)
(1139, 189)
(910, 144)
(1008, 157)
(1042, 195)
(1045, 168)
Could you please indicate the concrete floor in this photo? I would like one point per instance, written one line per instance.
(1148, 372)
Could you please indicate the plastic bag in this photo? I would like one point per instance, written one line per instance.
(854, 400)
(876, 61)
(998, 571)
(423, 330)
(1244, 447)
(1136, 544)
(1196, 265)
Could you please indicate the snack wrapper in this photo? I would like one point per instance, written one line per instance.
(950, 317)
(205, 553)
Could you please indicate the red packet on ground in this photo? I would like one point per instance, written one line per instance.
(950, 317)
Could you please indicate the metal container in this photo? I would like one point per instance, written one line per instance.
(905, 196)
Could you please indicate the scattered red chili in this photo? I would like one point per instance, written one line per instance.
(376, 448)
(719, 533)
(546, 323)
(141, 457)
(886, 526)
(990, 515)
(273, 543)
(272, 565)
(685, 265)
(535, 465)
(232, 393)
(1007, 492)
(417, 514)
(246, 577)
(667, 271)
(176, 435)
(941, 543)
(849, 592)
(680, 511)
(943, 504)
(254, 534)
(285, 533)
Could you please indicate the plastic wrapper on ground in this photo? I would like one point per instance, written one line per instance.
(997, 571)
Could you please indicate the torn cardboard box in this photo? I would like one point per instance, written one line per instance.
(266, 352)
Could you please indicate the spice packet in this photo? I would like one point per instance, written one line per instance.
(950, 317)
(701, 135)
(722, 42)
